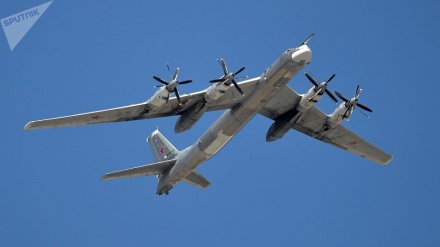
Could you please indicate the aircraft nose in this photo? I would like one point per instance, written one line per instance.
(303, 54)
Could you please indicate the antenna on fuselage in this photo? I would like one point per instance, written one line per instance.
(308, 39)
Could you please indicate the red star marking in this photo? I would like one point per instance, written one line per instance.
(96, 117)
(162, 150)
(353, 143)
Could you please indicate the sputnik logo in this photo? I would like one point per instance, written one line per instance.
(16, 26)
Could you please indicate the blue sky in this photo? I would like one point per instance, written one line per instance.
(82, 56)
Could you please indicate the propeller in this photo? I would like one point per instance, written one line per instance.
(319, 87)
(228, 77)
(353, 102)
(171, 86)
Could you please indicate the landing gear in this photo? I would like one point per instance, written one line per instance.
(166, 193)
(165, 190)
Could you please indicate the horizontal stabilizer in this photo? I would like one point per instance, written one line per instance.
(152, 169)
(196, 179)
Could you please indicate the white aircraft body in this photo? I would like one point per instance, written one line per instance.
(267, 94)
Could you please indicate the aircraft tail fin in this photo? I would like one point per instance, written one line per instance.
(161, 148)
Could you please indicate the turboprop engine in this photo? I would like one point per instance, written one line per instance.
(162, 95)
(213, 93)
(315, 93)
(345, 110)
(223, 83)
(286, 121)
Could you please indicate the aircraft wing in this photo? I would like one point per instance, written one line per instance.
(139, 111)
(152, 169)
(312, 122)
(196, 179)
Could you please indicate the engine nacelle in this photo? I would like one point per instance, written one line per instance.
(216, 91)
(309, 99)
(159, 99)
(282, 125)
(340, 113)
(276, 131)
(190, 117)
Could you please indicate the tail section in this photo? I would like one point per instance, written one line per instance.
(161, 148)
(165, 157)
(145, 170)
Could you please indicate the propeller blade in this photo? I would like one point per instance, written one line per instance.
(176, 74)
(238, 71)
(329, 79)
(341, 96)
(307, 40)
(160, 80)
(364, 114)
(166, 102)
(358, 92)
(331, 95)
(317, 92)
(225, 69)
(364, 107)
(345, 113)
(184, 82)
(217, 80)
(351, 111)
(169, 71)
(177, 96)
(311, 79)
(237, 87)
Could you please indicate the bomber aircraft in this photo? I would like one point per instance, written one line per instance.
(267, 95)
